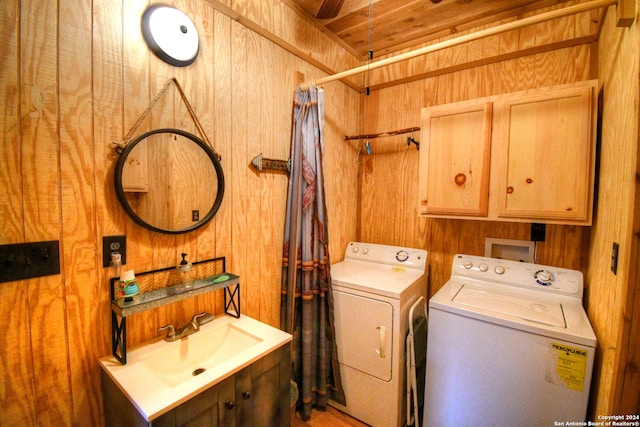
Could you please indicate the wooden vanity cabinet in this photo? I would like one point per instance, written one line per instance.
(527, 156)
(258, 395)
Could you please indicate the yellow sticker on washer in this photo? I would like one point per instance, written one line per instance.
(571, 365)
(398, 269)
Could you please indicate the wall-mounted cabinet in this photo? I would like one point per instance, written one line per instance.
(526, 156)
(454, 159)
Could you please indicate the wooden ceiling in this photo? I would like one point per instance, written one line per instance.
(401, 24)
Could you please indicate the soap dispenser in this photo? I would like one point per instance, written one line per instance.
(185, 270)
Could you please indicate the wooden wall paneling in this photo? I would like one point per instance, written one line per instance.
(124, 76)
(293, 32)
(543, 37)
(610, 296)
(221, 104)
(195, 80)
(11, 230)
(389, 175)
(143, 76)
(242, 191)
(266, 272)
(273, 186)
(107, 112)
(203, 90)
(136, 96)
(341, 166)
(16, 365)
(630, 389)
(565, 246)
(256, 115)
(108, 106)
(78, 208)
(257, 111)
(42, 221)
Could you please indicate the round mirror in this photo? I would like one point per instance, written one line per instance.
(169, 181)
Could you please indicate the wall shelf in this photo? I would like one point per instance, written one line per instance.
(131, 305)
(126, 306)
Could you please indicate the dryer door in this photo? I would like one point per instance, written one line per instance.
(364, 333)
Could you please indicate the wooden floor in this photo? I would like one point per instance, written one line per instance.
(331, 418)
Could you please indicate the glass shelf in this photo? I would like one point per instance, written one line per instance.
(126, 306)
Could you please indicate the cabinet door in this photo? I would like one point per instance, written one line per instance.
(258, 393)
(207, 409)
(545, 138)
(454, 159)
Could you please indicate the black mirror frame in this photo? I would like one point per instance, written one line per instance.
(125, 204)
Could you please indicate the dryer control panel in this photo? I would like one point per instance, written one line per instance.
(385, 254)
(520, 274)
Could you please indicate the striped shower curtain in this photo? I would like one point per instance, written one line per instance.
(307, 303)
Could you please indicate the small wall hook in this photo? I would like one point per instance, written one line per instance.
(410, 141)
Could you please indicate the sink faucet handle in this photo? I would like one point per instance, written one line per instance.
(171, 328)
(195, 318)
(202, 318)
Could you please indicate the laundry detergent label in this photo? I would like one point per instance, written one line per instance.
(567, 366)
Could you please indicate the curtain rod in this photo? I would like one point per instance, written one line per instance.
(383, 134)
(570, 10)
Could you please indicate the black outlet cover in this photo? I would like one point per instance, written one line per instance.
(111, 244)
(538, 232)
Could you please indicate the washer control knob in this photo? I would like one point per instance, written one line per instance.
(467, 265)
(365, 251)
(483, 267)
(402, 255)
(499, 269)
(355, 249)
(543, 277)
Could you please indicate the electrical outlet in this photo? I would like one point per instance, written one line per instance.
(614, 257)
(114, 244)
(538, 232)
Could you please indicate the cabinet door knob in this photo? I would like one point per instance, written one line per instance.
(246, 395)
(230, 404)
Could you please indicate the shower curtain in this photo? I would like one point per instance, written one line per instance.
(307, 303)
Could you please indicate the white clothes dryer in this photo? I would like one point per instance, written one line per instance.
(509, 344)
(373, 289)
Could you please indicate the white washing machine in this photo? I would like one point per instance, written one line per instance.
(373, 290)
(509, 343)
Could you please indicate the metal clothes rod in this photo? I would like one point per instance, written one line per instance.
(382, 135)
(570, 10)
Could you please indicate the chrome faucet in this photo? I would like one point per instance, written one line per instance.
(186, 329)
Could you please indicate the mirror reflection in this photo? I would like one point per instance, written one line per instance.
(169, 181)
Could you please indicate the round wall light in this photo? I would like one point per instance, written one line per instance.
(170, 34)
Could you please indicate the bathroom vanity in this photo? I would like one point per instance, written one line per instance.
(234, 371)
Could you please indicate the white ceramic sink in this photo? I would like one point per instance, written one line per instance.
(160, 375)
(193, 355)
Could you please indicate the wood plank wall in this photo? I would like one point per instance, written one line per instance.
(389, 176)
(65, 100)
(75, 76)
(614, 299)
